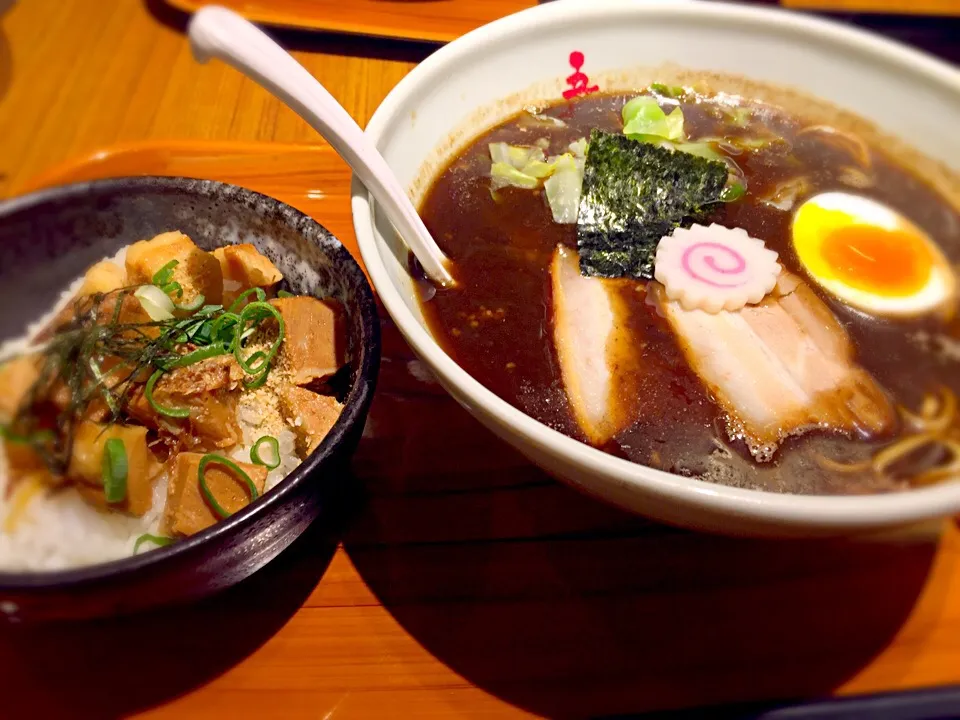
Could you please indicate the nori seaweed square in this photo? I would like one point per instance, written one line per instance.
(634, 193)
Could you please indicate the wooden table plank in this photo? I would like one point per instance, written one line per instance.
(468, 585)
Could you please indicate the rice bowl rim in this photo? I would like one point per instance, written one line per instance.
(355, 402)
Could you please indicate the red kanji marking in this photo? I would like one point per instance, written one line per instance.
(579, 82)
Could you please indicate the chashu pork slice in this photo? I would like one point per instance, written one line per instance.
(779, 368)
(593, 346)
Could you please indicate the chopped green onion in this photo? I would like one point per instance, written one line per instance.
(186, 331)
(171, 288)
(257, 381)
(33, 438)
(741, 116)
(196, 356)
(157, 540)
(165, 274)
(192, 306)
(274, 446)
(670, 91)
(249, 313)
(224, 329)
(262, 370)
(156, 303)
(202, 334)
(284, 294)
(733, 192)
(261, 296)
(258, 357)
(114, 470)
(205, 489)
(169, 412)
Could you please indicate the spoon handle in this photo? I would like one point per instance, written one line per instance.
(220, 33)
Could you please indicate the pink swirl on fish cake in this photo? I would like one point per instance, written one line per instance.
(715, 268)
(699, 252)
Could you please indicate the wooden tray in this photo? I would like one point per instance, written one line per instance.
(430, 20)
(472, 585)
(446, 20)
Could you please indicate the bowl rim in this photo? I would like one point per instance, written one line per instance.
(354, 406)
(830, 513)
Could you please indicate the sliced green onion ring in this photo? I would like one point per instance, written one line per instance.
(164, 275)
(171, 288)
(733, 192)
(274, 446)
(224, 329)
(114, 470)
(202, 334)
(259, 357)
(259, 292)
(192, 306)
(155, 302)
(158, 540)
(229, 464)
(169, 412)
(257, 381)
(196, 356)
(246, 316)
(34, 438)
(282, 294)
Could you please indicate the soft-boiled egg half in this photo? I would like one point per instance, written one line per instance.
(871, 257)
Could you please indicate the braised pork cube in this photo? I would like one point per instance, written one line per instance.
(101, 309)
(22, 460)
(130, 311)
(86, 464)
(17, 377)
(310, 415)
(221, 372)
(207, 390)
(243, 268)
(104, 277)
(197, 271)
(187, 511)
(315, 342)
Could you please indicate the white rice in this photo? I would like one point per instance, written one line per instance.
(252, 431)
(59, 530)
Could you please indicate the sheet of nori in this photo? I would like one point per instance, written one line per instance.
(634, 193)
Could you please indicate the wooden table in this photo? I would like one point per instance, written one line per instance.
(467, 584)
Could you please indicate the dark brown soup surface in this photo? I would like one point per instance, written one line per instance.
(496, 323)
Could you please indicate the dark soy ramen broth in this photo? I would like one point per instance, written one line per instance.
(496, 323)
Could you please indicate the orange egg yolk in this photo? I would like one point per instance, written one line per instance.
(872, 259)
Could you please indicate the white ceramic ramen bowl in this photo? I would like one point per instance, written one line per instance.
(489, 74)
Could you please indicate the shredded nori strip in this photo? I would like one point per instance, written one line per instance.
(634, 193)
